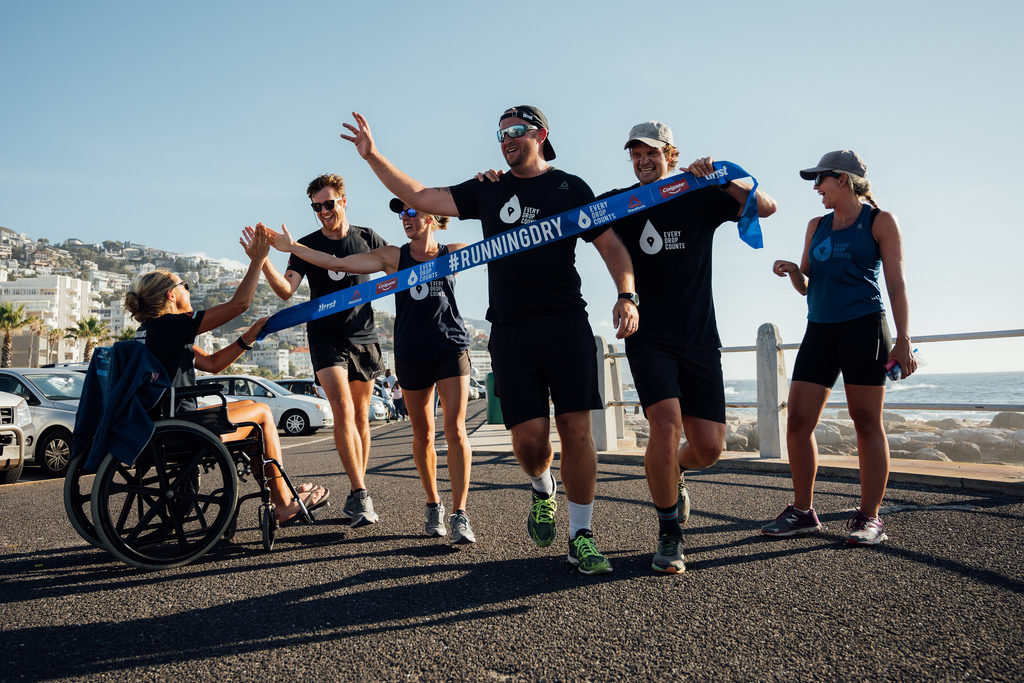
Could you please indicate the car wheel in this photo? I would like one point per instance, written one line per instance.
(53, 452)
(295, 423)
(10, 476)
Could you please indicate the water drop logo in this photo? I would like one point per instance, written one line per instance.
(823, 251)
(583, 221)
(511, 212)
(337, 275)
(650, 240)
(413, 279)
(420, 292)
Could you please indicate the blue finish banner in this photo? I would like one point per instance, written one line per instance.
(545, 231)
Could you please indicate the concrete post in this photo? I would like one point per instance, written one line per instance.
(616, 367)
(772, 386)
(602, 422)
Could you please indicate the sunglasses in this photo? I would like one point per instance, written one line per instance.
(516, 131)
(181, 284)
(411, 213)
(329, 204)
(825, 174)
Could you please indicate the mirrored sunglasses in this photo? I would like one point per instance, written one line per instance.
(516, 131)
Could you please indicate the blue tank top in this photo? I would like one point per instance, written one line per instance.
(844, 266)
(427, 321)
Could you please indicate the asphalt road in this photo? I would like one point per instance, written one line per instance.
(942, 600)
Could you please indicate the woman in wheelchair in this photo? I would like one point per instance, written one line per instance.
(161, 302)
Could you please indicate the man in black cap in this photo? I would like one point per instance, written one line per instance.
(675, 357)
(541, 342)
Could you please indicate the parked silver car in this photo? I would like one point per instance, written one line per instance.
(14, 419)
(52, 395)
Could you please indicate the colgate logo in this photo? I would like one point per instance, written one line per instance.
(387, 285)
(675, 188)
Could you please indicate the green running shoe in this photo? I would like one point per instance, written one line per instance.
(583, 554)
(541, 522)
(669, 559)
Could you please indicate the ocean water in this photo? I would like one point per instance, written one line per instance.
(986, 388)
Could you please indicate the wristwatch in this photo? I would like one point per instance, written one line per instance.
(630, 296)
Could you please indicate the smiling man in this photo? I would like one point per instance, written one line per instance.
(674, 356)
(344, 347)
(541, 342)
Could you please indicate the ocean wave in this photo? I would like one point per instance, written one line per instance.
(896, 386)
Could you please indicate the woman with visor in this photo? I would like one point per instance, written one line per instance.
(431, 350)
(846, 332)
(162, 303)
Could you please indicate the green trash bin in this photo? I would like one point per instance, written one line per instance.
(494, 416)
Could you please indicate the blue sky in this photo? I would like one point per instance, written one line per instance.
(176, 124)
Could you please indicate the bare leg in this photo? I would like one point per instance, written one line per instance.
(661, 460)
(420, 404)
(454, 392)
(361, 393)
(347, 439)
(705, 440)
(865, 403)
(806, 403)
(579, 456)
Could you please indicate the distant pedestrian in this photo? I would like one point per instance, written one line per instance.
(399, 399)
(846, 332)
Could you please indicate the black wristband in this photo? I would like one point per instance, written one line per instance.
(241, 342)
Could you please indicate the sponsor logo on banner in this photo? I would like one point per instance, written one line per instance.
(675, 188)
(635, 204)
(413, 279)
(356, 297)
(387, 285)
(326, 307)
(583, 221)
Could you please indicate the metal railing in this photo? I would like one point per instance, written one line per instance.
(772, 389)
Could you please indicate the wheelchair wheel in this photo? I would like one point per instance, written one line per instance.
(77, 501)
(268, 525)
(173, 505)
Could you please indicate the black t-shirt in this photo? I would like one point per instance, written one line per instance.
(670, 245)
(354, 324)
(542, 280)
(427, 321)
(170, 337)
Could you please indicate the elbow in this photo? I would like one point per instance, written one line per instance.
(767, 208)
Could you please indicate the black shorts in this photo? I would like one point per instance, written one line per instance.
(693, 377)
(858, 348)
(552, 356)
(362, 360)
(423, 374)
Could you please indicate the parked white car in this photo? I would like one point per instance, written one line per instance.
(14, 419)
(52, 395)
(293, 413)
(378, 408)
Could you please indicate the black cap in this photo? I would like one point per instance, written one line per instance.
(397, 205)
(537, 118)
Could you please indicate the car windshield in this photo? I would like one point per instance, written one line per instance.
(277, 388)
(58, 386)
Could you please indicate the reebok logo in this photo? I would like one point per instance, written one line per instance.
(564, 185)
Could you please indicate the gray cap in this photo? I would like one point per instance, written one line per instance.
(653, 133)
(845, 160)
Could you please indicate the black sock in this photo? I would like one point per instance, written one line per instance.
(668, 521)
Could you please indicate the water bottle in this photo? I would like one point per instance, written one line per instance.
(893, 369)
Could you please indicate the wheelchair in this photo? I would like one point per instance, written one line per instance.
(180, 497)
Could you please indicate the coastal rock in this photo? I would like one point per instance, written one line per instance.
(736, 442)
(1008, 421)
(960, 451)
(986, 438)
(827, 435)
(749, 430)
(946, 423)
(930, 454)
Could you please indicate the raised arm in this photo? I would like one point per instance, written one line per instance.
(257, 249)
(283, 285)
(381, 259)
(218, 360)
(886, 232)
(437, 200)
(737, 189)
(625, 315)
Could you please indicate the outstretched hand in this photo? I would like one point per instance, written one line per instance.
(251, 334)
(255, 242)
(784, 268)
(282, 241)
(701, 167)
(361, 136)
(492, 175)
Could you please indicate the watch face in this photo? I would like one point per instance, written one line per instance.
(631, 297)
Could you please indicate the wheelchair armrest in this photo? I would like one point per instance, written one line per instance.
(178, 393)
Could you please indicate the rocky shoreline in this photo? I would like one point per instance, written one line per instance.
(999, 441)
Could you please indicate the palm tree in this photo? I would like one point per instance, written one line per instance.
(91, 330)
(127, 334)
(36, 326)
(11, 319)
(53, 337)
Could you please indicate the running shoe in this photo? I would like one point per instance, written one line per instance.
(346, 509)
(669, 559)
(462, 532)
(865, 530)
(541, 522)
(434, 526)
(683, 503)
(792, 522)
(583, 554)
(361, 509)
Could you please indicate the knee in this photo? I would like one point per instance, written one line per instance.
(424, 441)
(454, 431)
(707, 453)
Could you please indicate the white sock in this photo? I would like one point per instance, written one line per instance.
(579, 517)
(544, 482)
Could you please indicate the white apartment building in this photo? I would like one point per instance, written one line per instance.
(273, 359)
(300, 362)
(60, 301)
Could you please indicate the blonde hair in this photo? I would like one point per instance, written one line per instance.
(440, 222)
(862, 188)
(147, 297)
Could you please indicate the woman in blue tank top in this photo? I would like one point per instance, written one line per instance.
(844, 251)
(431, 350)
